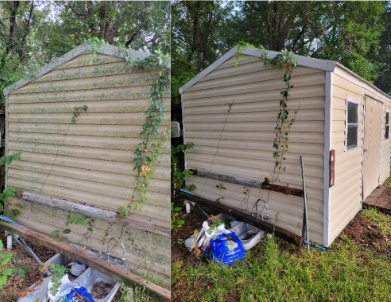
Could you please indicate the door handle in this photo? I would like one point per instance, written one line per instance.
(365, 150)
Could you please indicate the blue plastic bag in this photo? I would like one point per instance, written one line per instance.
(226, 248)
(82, 291)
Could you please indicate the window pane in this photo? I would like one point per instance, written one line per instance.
(387, 135)
(387, 118)
(352, 136)
(352, 112)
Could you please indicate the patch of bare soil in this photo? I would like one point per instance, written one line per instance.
(101, 290)
(25, 269)
(367, 235)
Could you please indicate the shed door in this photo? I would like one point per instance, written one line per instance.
(372, 140)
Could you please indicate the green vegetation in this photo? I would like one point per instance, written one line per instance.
(178, 176)
(76, 111)
(73, 219)
(272, 271)
(354, 33)
(175, 222)
(4, 272)
(216, 223)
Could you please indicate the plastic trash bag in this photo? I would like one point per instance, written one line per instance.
(226, 248)
(81, 292)
(205, 235)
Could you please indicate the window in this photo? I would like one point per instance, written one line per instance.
(387, 124)
(352, 113)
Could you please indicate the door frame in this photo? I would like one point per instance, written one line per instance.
(363, 138)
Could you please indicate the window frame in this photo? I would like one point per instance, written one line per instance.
(355, 101)
(385, 125)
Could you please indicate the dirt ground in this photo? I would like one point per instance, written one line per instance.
(365, 233)
(25, 269)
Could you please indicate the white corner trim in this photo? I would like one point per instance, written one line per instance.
(87, 46)
(381, 139)
(208, 70)
(350, 99)
(362, 152)
(326, 158)
(183, 131)
(6, 141)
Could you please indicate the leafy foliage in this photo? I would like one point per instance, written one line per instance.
(33, 33)
(175, 222)
(76, 112)
(177, 176)
(9, 192)
(4, 271)
(57, 271)
(73, 219)
(8, 159)
(216, 223)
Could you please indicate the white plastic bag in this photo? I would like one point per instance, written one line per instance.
(205, 237)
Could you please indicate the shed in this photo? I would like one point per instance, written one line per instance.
(230, 114)
(86, 167)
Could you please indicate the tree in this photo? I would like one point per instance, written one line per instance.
(34, 33)
(343, 31)
(383, 81)
(195, 37)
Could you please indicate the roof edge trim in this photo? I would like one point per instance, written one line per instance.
(256, 52)
(365, 81)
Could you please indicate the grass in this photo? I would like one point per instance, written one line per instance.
(274, 272)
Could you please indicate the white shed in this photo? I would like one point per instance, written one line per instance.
(230, 113)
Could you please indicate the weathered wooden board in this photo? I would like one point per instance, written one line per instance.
(94, 262)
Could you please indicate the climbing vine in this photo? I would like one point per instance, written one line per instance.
(9, 192)
(286, 60)
(76, 112)
(73, 219)
(150, 149)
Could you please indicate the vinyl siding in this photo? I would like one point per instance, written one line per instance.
(240, 142)
(345, 195)
(90, 161)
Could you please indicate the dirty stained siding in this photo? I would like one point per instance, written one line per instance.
(345, 195)
(230, 116)
(90, 161)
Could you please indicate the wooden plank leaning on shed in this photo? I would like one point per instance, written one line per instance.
(116, 272)
(261, 224)
(91, 211)
(249, 182)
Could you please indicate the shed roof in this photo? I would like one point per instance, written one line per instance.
(87, 46)
(325, 65)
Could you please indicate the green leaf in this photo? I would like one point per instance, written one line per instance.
(7, 255)
(3, 280)
(7, 272)
(66, 231)
(5, 261)
(8, 160)
(55, 233)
